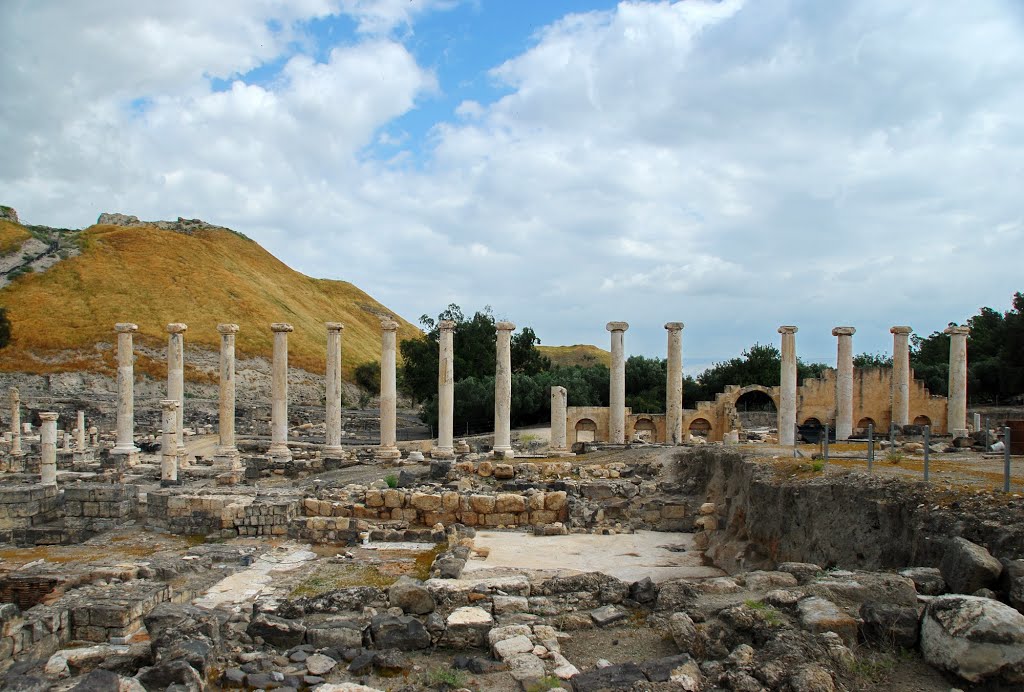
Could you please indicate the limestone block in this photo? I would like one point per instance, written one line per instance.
(707, 508)
(555, 501)
(468, 626)
(506, 648)
(673, 511)
(507, 502)
(979, 639)
(706, 523)
(543, 516)
(504, 605)
(821, 615)
(469, 518)
(504, 471)
(485, 469)
(393, 498)
(482, 504)
(374, 498)
(536, 501)
(450, 501)
(426, 502)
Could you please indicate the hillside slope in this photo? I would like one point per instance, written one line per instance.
(63, 318)
(580, 354)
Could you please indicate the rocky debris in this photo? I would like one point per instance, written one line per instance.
(411, 596)
(608, 615)
(820, 615)
(977, 638)
(338, 632)
(967, 567)
(927, 580)
(467, 627)
(405, 633)
(887, 624)
(276, 631)
(1012, 582)
(182, 225)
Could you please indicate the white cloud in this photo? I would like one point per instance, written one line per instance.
(732, 165)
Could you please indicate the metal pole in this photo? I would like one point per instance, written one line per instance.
(927, 449)
(871, 445)
(986, 433)
(826, 445)
(892, 435)
(1006, 459)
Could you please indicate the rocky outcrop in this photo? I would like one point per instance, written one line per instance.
(979, 639)
(182, 225)
(8, 214)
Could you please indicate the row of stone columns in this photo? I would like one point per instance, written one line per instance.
(956, 409)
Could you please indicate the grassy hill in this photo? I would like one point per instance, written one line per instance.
(580, 354)
(63, 318)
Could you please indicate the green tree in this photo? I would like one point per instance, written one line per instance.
(760, 364)
(367, 376)
(5, 328)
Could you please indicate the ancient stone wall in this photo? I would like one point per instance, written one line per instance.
(23, 508)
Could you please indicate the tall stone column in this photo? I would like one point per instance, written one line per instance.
(674, 386)
(956, 406)
(16, 422)
(388, 450)
(80, 432)
(844, 381)
(279, 394)
(787, 387)
(503, 391)
(617, 394)
(226, 450)
(445, 448)
(559, 401)
(125, 444)
(169, 443)
(48, 467)
(901, 375)
(176, 377)
(332, 448)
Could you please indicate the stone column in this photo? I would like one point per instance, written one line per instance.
(787, 387)
(80, 432)
(125, 444)
(956, 406)
(388, 450)
(503, 391)
(844, 381)
(617, 395)
(674, 386)
(16, 422)
(445, 448)
(559, 401)
(279, 394)
(901, 375)
(332, 447)
(169, 443)
(48, 467)
(226, 450)
(176, 377)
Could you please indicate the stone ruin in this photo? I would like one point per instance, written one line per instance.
(236, 571)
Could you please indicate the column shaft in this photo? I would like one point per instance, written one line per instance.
(48, 437)
(388, 391)
(559, 401)
(226, 414)
(333, 376)
(787, 387)
(15, 422)
(445, 448)
(176, 377)
(503, 391)
(901, 375)
(617, 393)
(279, 394)
(674, 385)
(844, 381)
(169, 442)
(956, 406)
(80, 432)
(125, 444)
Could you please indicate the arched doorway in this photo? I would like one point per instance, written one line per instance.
(811, 430)
(922, 421)
(756, 408)
(862, 426)
(586, 430)
(645, 430)
(700, 427)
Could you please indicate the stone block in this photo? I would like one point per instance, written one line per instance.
(555, 501)
(819, 615)
(509, 503)
(967, 567)
(482, 504)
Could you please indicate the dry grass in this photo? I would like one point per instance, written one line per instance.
(12, 235)
(580, 354)
(153, 277)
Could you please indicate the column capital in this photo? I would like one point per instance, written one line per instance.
(388, 325)
(674, 326)
(617, 326)
(15, 394)
(954, 330)
(227, 328)
(788, 329)
(334, 326)
(446, 325)
(49, 415)
(169, 404)
(901, 329)
(505, 326)
(281, 327)
(844, 331)
(176, 328)
(125, 327)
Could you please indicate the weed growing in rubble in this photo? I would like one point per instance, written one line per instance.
(392, 480)
(549, 682)
(446, 678)
(894, 456)
(818, 466)
(769, 614)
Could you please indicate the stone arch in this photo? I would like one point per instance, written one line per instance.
(812, 422)
(645, 429)
(701, 427)
(586, 430)
(922, 421)
(863, 424)
(756, 388)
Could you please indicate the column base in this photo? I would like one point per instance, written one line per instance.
(333, 451)
(958, 432)
(442, 453)
(387, 454)
(279, 451)
(503, 453)
(168, 483)
(128, 456)
(228, 459)
(560, 453)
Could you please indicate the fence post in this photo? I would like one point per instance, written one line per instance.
(826, 445)
(871, 446)
(927, 449)
(986, 434)
(796, 439)
(1006, 459)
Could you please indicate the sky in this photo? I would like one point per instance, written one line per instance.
(732, 165)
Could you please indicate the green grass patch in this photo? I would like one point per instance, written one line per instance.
(331, 577)
(446, 678)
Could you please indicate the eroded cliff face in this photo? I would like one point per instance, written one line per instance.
(767, 515)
